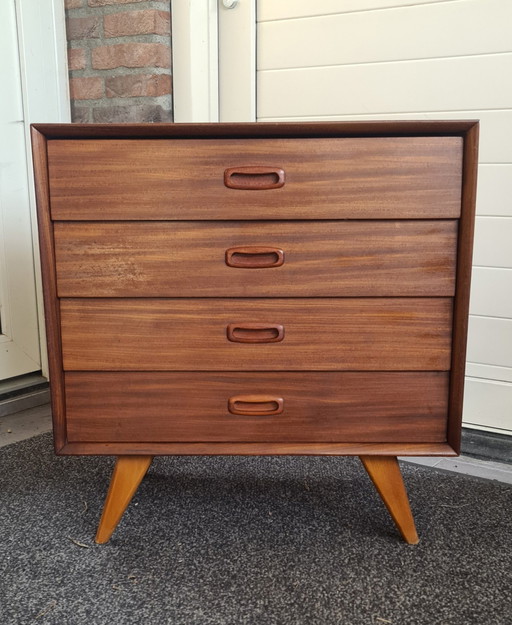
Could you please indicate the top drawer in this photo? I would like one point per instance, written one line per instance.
(192, 179)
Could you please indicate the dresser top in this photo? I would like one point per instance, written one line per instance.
(407, 128)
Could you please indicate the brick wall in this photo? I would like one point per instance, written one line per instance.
(119, 56)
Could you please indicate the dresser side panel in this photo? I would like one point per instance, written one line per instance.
(463, 285)
(51, 306)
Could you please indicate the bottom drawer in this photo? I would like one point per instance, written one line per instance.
(366, 407)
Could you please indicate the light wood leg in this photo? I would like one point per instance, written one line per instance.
(127, 475)
(385, 475)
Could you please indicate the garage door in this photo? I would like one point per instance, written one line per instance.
(397, 59)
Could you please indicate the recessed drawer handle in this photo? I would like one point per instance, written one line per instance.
(254, 257)
(255, 405)
(254, 178)
(255, 333)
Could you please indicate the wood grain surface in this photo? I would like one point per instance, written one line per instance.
(414, 170)
(126, 477)
(326, 406)
(177, 334)
(49, 283)
(258, 449)
(249, 130)
(387, 479)
(461, 300)
(187, 259)
(357, 178)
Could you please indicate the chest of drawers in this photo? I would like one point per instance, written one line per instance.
(256, 289)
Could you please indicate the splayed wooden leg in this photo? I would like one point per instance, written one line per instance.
(385, 475)
(127, 475)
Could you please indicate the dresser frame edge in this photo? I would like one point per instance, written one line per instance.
(222, 130)
(258, 449)
(463, 284)
(49, 280)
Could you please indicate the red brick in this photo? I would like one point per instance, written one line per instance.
(81, 114)
(137, 23)
(73, 4)
(76, 58)
(149, 85)
(86, 88)
(102, 3)
(131, 55)
(139, 113)
(83, 27)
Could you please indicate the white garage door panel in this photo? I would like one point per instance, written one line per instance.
(493, 242)
(405, 86)
(399, 34)
(495, 128)
(361, 60)
(491, 292)
(489, 372)
(487, 403)
(490, 341)
(494, 193)
(284, 9)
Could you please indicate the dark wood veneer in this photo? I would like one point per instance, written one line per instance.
(258, 449)
(326, 178)
(249, 130)
(182, 334)
(466, 129)
(343, 248)
(52, 313)
(188, 259)
(463, 273)
(316, 407)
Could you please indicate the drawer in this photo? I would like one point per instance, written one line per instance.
(263, 407)
(201, 179)
(256, 334)
(280, 258)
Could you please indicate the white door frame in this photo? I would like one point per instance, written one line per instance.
(45, 87)
(211, 84)
(237, 72)
(195, 74)
(41, 33)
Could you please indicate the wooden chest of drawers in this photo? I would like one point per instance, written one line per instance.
(257, 289)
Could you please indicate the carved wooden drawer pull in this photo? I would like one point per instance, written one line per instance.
(255, 405)
(254, 257)
(255, 178)
(255, 333)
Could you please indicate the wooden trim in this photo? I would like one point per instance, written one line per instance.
(51, 305)
(262, 129)
(258, 449)
(463, 283)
